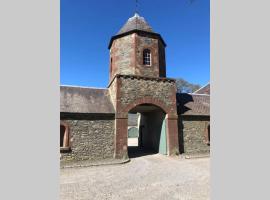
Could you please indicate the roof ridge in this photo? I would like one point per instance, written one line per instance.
(208, 83)
(75, 86)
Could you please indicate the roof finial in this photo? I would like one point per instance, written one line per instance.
(136, 7)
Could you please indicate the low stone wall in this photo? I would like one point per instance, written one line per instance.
(193, 138)
(91, 137)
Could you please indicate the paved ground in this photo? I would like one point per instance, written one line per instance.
(132, 142)
(146, 177)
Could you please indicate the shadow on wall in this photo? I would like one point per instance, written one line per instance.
(181, 109)
(182, 99)
(181, 135)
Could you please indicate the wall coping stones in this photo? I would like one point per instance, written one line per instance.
(150, 34)
(160, 79)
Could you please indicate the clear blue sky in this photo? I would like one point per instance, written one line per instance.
(87, 26)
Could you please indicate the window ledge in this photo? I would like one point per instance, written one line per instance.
(65, 149)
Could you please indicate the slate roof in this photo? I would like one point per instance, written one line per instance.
(85, 100)
(203, 90)
(193, 104)
(136, 23)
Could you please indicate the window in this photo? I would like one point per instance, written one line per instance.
(147, 57)
(64, 138)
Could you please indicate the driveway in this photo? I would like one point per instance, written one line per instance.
(146, 177)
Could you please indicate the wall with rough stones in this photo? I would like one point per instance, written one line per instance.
(144, 42)
(136, 90)
(90, 139)
(112, 92)
(126, 56)
(122, 55)
(133, 88)
(193, 134)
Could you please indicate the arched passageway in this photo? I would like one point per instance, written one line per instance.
(152, 136)
(153, 111)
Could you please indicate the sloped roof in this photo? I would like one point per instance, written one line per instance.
(85, 100)
(203, 90)
(193, 104)
(135, 23)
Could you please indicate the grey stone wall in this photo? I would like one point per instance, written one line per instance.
(90, 139)
(112, 92)
(133, 89)
(145, 42)
(122, 54)
(193, 134)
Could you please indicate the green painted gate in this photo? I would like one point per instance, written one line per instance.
(163, 139)
(133, 132)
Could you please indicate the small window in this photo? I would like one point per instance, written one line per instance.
(64, 138)
(147, 57)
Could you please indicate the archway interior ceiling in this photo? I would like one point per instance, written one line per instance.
(144, 108)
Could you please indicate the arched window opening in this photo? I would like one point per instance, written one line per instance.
(62, 135)
(64, 138)
(147, 57)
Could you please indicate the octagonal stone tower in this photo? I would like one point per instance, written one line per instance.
(137, 50)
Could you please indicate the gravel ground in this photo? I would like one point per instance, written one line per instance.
(146, 177)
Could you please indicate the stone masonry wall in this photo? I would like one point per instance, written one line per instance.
(193, 134)
(90, 139)
(136, 88)
(145, 42)
(112, 92)
(132, 91)
(122, 55)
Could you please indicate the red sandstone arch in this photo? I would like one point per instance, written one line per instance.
(66, 142)
(122, 123)
(149, 100)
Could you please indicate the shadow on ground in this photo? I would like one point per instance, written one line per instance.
(134, 152)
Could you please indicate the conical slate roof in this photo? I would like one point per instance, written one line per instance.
(135, 23)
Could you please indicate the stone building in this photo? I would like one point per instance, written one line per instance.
(94, 122)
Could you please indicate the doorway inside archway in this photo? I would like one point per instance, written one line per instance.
(146, 131)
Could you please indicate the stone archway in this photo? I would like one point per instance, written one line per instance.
(121, 125)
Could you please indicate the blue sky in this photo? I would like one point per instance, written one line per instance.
(86, 27)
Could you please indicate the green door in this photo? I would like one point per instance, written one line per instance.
(163, 139)
(133, 132)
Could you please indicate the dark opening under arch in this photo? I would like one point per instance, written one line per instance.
(62, 135)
